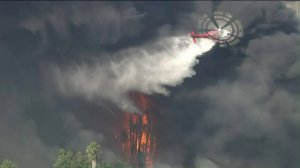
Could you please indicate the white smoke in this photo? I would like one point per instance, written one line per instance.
(147, 69)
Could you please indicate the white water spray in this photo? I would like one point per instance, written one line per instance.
(145, 69)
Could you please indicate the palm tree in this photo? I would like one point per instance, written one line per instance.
(92, 152)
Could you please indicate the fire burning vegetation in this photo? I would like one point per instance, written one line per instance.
(127, 82)
(138, 138)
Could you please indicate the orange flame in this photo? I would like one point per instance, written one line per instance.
(139, 139)
(144, 138)
(145, 119)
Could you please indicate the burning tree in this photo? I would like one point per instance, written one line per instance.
(138, 138)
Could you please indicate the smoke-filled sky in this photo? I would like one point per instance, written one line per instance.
(67, 68)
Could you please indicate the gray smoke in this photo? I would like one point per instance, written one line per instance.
(248, 116)
(239, 110)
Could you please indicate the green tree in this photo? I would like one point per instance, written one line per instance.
(92, 151)
(64, 159)
(69, 159)
(80, 161)
(8, 164)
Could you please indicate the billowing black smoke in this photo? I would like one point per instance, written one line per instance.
(239, 110)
